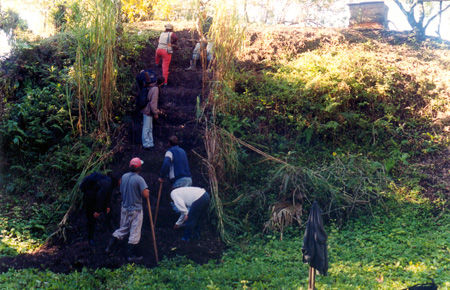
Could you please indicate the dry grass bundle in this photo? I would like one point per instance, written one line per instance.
(214, 163)
(283, 214)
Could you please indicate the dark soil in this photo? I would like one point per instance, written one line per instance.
(178, 103)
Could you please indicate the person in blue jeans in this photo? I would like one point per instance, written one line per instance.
(176, 166)
(192, 203)
(150, 112)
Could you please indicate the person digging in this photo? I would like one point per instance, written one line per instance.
(132, 189)
(192, 204)
(97, 189)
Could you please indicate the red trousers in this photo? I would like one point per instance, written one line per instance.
(166, 58)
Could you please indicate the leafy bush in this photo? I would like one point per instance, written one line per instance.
(25, 223)
(10, 21)
(37, 123)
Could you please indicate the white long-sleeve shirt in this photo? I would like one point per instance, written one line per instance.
(183, 198)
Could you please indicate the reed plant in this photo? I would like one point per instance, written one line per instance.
(95, 67)
(227, 35)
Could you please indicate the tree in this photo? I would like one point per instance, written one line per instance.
(417, 13)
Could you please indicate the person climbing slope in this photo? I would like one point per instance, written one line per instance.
(132, 188)
(164, 51)
(150, 112)
(97, 189)
(176, 166)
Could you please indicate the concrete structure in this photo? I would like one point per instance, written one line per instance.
(368, 15)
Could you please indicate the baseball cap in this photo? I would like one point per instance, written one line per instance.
(136, 162)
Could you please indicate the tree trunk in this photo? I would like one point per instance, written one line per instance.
(417, 26)
(440, 20)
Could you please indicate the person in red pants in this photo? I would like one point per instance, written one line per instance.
(164, 51)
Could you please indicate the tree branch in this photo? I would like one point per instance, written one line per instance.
(436, 15)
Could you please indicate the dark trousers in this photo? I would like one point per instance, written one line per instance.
(196, 215)
(90, 210)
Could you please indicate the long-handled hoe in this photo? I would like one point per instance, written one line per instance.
(157, 202)
(153, 230)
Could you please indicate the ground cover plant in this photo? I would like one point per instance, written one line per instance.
(383, 251)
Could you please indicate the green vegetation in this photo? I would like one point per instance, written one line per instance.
(342, 121)
(385, 251)
(56, 123)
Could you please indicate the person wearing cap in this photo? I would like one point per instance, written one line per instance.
(132, 189)
(164, 51)
(176, 166)
(149, 112)
(192, 203)
(97, 189)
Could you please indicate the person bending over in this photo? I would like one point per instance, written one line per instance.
(192, 203)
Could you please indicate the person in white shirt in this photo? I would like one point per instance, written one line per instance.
(192, 203)
(166, 44)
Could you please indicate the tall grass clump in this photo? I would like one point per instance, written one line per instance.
(345, 186)
(95, 67)
(227, 34)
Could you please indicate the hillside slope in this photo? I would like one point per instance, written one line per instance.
(264, 47)
(178, 103)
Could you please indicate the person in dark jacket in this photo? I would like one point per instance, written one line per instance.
(176, 166)
(97, 189)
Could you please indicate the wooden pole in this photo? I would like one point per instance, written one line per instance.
(312, 279)
(153, 230)
(157, 203)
